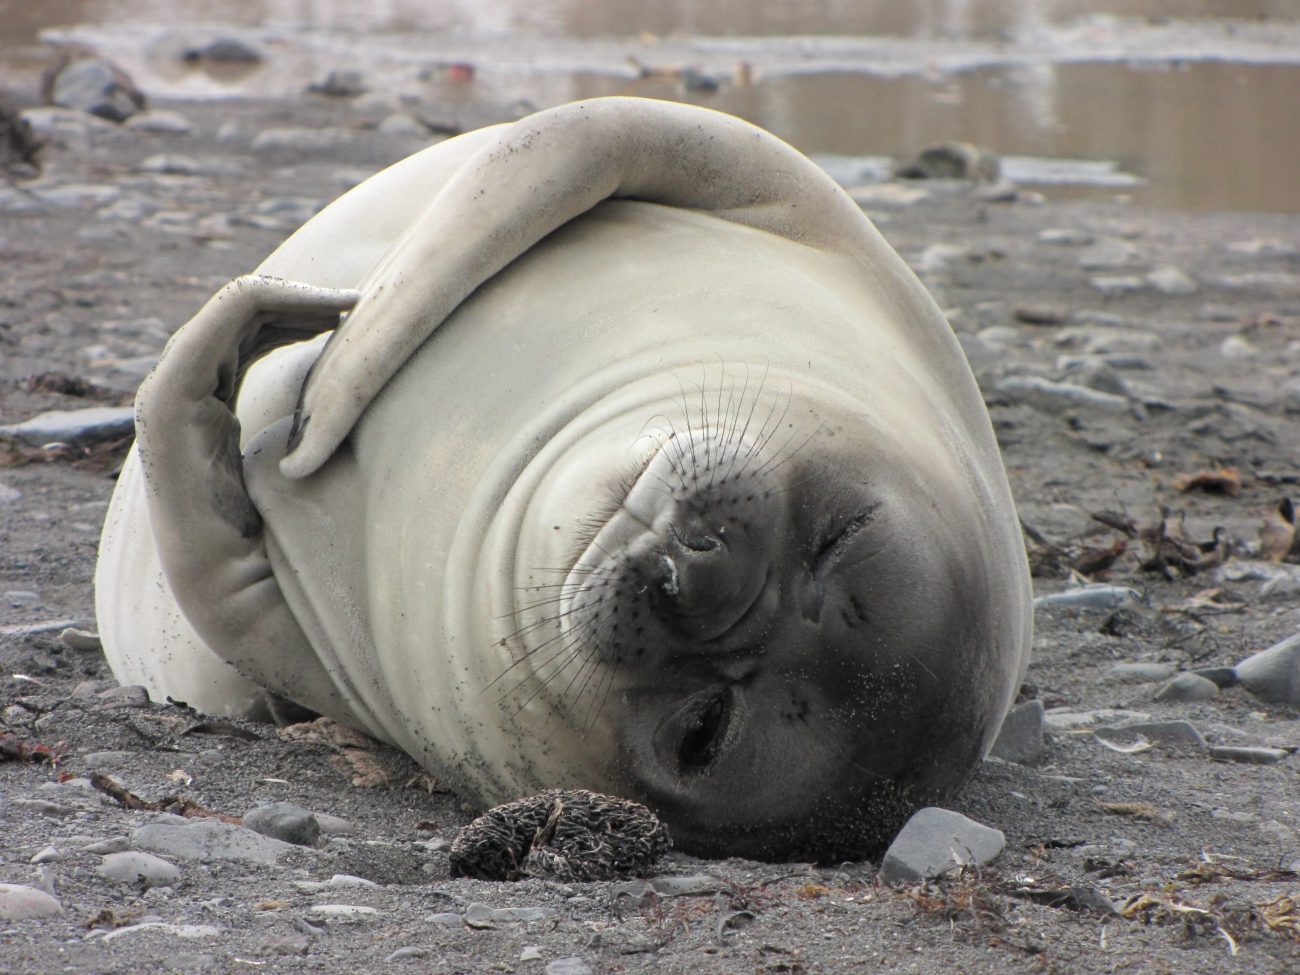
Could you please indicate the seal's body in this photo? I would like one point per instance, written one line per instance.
(642, 464)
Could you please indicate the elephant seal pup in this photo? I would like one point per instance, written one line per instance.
(639, 463)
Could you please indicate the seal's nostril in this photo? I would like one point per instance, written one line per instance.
(701, 543)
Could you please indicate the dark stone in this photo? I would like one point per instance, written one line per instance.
(951, 160)
(96, 86)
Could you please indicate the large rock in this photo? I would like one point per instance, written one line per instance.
(1273, 675)
(209, 840)
(75, 427)
(951, 160)
(19, 903)
(96, 86)
(935, 841)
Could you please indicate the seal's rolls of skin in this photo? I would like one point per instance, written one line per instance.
(640, 463)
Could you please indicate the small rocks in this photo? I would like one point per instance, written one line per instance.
(114, 844)
(96, 86)
(21, 903)
(145, 869)
(1117, 285)
(1065, 719)
(160, 123)
(1021, 738)
(75, 427)
(1273, 675)
(208, 840)
(80, 640)
(935, 841)
(951, 160)
(128, 696)
(284, 821)
(1188, 688)
(302, 140)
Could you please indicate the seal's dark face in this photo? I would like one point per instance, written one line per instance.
(803, 636)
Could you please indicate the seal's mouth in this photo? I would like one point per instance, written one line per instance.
(703, 731)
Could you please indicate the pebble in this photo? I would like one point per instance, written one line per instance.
(403, 125)
(8, 495)
(76, 427)
(160, 123)
(1021, 738)
(1273, 675)
(303, 140)
(1248, 755)
(343, 913)
(96, 759)
(1106, 253)
(482, 916)
(127, 696)
(1053, 397)
(1139, 672)
(189, 961)
(888, 195)
(48, 855)
(293, 943)
(115, 844)
(179, 930)
(284, 821)
(569, 965)
(81, 640)
(51, 810)
(530, 953)
(98, 87)
(936, 840)
(1175, 734)
(134, 867)
(334, 883)
(21, 597)
(1188, 687)
(20, 903)
(1098, 596)
(1066, 236)
(1237, 348)
(341, 83)
(1171, 281)
(334, 825)
(172, 164)
(445, 918)
(208, 840)
(401, 954)
(1115, 285)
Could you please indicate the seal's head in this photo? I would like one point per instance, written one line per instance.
(783, 619)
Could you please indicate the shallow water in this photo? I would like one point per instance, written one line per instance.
(1200, 113)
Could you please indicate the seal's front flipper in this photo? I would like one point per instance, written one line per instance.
(208, 532)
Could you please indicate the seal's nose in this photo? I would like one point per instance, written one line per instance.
(703, 578)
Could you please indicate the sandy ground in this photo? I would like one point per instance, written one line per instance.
(127, 233)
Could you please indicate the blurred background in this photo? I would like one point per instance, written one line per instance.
(1191, 104)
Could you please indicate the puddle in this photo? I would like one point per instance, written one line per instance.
(1193, 114)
